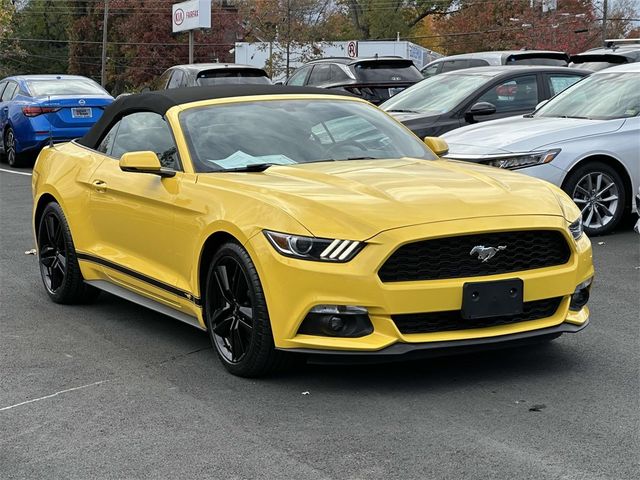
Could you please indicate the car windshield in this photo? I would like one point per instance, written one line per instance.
(232, 76)
(285, 132)
(547, 61)
(64, 86)
(604, 96)
(437, 94)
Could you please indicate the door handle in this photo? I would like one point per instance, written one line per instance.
(99, 186)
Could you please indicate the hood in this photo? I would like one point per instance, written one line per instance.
(358, 199)
(522, 134)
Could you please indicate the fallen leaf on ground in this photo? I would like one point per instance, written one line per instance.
(538, 408)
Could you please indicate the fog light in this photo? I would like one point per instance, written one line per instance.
(580, 296)
(337, 321)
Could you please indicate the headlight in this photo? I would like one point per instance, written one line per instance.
(520, 161)
(312, 248)
(576, 228)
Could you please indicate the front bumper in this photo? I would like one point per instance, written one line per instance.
(411, 351)
(292, 287)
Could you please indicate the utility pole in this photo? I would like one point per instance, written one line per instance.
(604, 21)
(191, 40)
(103, 68)
(288, 36)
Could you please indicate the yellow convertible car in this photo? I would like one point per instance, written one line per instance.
(285, 219)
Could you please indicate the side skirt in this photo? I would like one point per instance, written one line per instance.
(144, 301)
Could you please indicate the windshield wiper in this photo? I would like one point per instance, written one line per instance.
(362, 158)
(254, 167)
(403, 110)
(570, 116)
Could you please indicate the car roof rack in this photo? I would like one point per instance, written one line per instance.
(614, 42)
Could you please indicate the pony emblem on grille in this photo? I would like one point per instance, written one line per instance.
(486, 253)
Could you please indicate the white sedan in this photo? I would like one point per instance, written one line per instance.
(585, 140)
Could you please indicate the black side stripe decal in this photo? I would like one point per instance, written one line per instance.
(139, 276)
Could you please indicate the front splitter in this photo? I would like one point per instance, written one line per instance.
(411, 351)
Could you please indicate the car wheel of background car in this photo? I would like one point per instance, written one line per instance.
(599, 192)
(58, 262)
(236, 314)
(13, 158)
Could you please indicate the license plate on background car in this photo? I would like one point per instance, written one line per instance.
(395, 90)
(492, 299)
(81, 112)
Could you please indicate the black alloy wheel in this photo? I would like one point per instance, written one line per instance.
(236, 314)
(10, 147)
(58, 262)
(53, 252)
(15, 159)
(232, 314)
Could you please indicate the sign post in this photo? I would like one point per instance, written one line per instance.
(190, 16)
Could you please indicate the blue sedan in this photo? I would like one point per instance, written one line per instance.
(35, 109)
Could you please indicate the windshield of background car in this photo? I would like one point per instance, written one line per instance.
(229, 76)
(437, 94)
(546, 61)
(386, 71)
(604, 96)
(598, 61)
(65, 86)
(285, 132)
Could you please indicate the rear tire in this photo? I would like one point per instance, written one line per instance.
(14, 159)
(236, 315)
(598, 191)
(58, 262)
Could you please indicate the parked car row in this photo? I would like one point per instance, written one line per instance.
(505, 57)
(614, 52)
(591, 131)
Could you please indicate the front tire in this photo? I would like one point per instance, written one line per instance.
(58, 262)
(598, 191)
(236, 314)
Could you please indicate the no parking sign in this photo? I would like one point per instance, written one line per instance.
(352, 49)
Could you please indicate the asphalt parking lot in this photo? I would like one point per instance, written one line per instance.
(112, 390)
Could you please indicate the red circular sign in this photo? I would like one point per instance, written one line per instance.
(178, 16)
(352, 49)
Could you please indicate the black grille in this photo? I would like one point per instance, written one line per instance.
(450, 257)
(452, 320)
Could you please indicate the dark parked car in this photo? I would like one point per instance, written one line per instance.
(547, 58)
(615, 52)
(374, 79)
(451, 100)
(207, 74)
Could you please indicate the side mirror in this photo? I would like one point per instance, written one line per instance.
(144, 162)
(145, 89)
(437, 145)
(482, 108)
(542, 104)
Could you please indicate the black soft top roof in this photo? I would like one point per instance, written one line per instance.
(162, 100)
